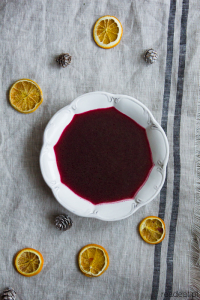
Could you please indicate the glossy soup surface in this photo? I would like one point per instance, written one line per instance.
(103, 156)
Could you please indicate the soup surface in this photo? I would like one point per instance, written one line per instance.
(103, 156)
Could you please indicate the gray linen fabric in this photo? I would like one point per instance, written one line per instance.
(33, 33)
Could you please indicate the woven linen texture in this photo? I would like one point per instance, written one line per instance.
(33, 34)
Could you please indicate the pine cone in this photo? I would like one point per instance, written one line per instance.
(64, 60)
(9, 294)
(150, 56)
(63, 222)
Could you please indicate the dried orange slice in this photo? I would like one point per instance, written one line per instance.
(25, 96)
(93, 260)
(152, 230)
(107, 32)
(28, 262)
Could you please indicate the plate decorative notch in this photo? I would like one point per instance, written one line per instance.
(113, 99)
(160, 166)
(135, 203)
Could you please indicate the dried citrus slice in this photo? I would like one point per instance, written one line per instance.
(152, 230)
(28, 262)
(25, 96)
(93, 260)
(107, 32)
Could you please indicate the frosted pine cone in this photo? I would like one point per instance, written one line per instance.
(150, 56)
(9, 294)
(64, 60)
(63, 222)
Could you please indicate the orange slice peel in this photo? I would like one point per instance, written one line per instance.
(152, 230)
(25, 96)
(28, 262)
(107, 32)
(93, 260)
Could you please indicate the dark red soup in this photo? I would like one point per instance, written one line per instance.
(103, 156)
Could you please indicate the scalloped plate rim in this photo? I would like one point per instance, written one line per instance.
(91, 214)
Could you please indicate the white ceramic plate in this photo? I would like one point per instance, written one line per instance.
(157, 140)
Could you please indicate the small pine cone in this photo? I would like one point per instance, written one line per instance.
(150, 56)
(9, 294)
(63, 222)
(64, 60)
